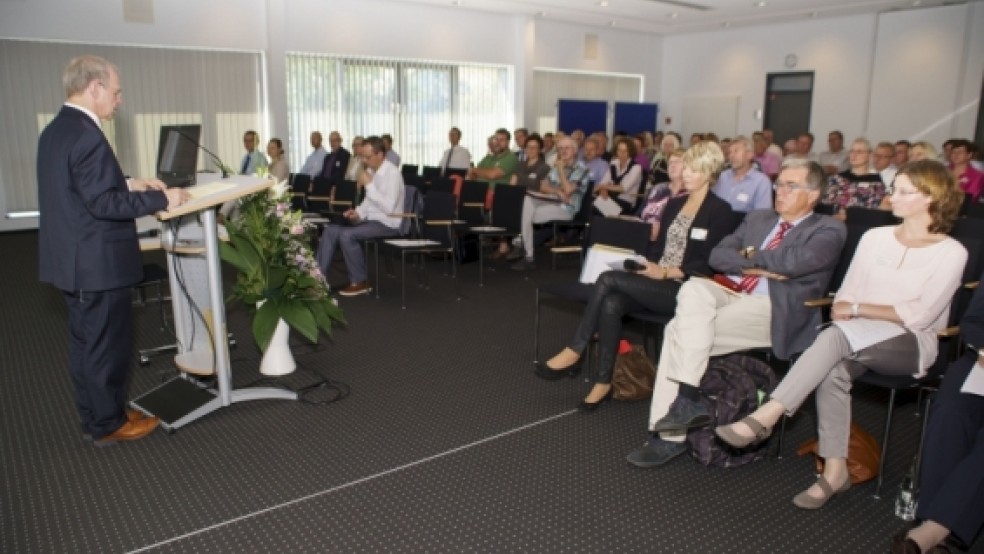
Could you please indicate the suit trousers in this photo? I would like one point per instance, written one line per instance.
(538, 211)
(951, 483)
(709, 321)
(100, 326)
(617, 293)
(829, 366)
(349, 239)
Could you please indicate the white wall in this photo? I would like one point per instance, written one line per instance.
(886, 76)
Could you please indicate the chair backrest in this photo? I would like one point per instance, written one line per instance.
(459, 172)
(413, 203)
(587, 204)
(430, 171)
(854, 232)
(346, 191)
(620, 233)
(976, 210)
(441, 184)
(507, 207)
(870, 217)
(410, 170)
(472, 202)
(438, 207)
(321, 186)
(299, 182)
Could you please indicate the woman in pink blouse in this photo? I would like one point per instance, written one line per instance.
(894, 300)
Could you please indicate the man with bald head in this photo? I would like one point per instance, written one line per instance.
(337, 160)
(315, 162)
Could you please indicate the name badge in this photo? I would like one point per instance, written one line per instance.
(743, 197)
(697, 233)
(531, 176)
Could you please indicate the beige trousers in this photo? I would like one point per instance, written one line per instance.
(709, 321)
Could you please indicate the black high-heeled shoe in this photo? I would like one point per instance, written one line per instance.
(547, 373)
(588, 407)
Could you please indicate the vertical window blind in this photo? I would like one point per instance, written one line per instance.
(415, 101)
(221, 90)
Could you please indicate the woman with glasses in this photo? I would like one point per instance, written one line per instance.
(858, 186)
(691, 226)
(894, 300)
(651, 210)
(626, 177)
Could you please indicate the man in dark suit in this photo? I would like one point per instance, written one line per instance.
(337, 160)
(89, 248)
(778, 259)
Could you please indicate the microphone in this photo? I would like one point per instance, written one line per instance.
(225, 171)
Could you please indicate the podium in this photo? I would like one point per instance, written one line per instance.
(191, 241)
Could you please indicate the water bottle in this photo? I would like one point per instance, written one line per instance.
(906, 500)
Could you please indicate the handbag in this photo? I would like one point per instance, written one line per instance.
(863, 455)
(634, 374)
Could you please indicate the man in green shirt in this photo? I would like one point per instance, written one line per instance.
(499, 165)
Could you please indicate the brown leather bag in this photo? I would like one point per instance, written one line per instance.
(634, 375)
(863, 454)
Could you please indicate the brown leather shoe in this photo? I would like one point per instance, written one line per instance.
(131, 416)
(129, 431)
(356, 289)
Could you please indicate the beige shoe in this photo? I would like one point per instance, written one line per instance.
(805, 501)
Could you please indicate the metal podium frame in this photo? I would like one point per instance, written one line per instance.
(184, 399)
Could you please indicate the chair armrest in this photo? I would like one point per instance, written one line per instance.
(819, 302)
(972, 285)
(340, 202)
(319, 198)
(404, 215)
(949, 332)
(473, 204)
(296, 194)
(444, 222)
(565, 249)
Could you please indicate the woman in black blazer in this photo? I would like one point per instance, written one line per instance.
(690, 228)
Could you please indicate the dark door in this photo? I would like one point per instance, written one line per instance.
(788, 99)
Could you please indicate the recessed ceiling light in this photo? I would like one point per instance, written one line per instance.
(673, 15)
(761, 4)
(603, 3)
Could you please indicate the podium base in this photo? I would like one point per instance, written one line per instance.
(177, 402)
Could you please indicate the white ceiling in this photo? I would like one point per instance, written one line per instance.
(683, 16)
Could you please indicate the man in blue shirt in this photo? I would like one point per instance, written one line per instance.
(598, 168)
(743, 186)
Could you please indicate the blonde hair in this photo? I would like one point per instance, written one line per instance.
(706, 158)
(931, 178)
(928, 149)
(83, 70)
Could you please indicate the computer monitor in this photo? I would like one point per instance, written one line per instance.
(177, 154)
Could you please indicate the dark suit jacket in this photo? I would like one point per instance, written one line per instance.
(336, 173)
(87, 237)
(807, 255)
(714, 216)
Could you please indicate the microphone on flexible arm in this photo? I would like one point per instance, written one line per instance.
(222, 167)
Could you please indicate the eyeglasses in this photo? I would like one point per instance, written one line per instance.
(900, 192)
(787, 186)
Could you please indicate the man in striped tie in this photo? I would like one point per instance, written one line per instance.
(776, 261)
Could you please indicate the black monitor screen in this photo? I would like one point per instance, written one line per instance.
(177, 153)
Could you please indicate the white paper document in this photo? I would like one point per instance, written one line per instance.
(607, 206)
(862, 333)
(975, 381)
(602, 258)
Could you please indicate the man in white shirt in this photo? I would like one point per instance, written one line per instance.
(834, 160)
(455, 157)
(371, 219)
(316, 160)
(881, 161)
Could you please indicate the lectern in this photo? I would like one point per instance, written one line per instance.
(191, 241)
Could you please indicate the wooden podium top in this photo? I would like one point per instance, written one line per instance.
(217, 191)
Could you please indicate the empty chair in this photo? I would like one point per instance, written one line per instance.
(410, 170)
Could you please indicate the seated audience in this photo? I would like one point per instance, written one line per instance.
(923, 266)
(858, 186)
(881, 161)
(692, 225)
(804, 147)
(650, 146)
(790, 149)
(356, 170)
(658, 171)
(651, 210)
(598, 169)
(768, 162)
(951, 490)
(500, 163)
(337, 160)
(901, 153)
(316, 159)
(640, 156)
(771, 146)
(625, 176)
(781, 258)
(834, 161)
(371, 219)
(519, 135)
(278, 165)
(743, 186)
(549, 148)
(970, 179)
(456, 156)
(922, 150)
(391, 155)
(563, 189)
(529, 175)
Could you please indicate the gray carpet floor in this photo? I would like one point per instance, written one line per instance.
(446, 443)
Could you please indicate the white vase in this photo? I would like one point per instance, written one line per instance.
(277, 360)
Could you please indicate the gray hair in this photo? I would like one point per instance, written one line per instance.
(83, 70)
(742, 139)
(814, 173)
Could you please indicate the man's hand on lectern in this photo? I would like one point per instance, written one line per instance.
(176, 197)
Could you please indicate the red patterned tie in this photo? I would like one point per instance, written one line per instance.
(749, 282)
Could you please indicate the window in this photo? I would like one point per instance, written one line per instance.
(415, 101)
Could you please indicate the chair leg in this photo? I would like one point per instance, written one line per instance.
(403, 279)
(536, 327)
(782, 435)
(481, 261)
(884, 450)
(922, 441)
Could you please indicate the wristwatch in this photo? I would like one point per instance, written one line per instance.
(855, 309)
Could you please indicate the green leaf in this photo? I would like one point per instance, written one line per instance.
(276, 277)
(232, 256)
(265, 323)
(246, 249)
(298, 316)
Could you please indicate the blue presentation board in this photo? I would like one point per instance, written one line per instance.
(587, 115)
(634, 117)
